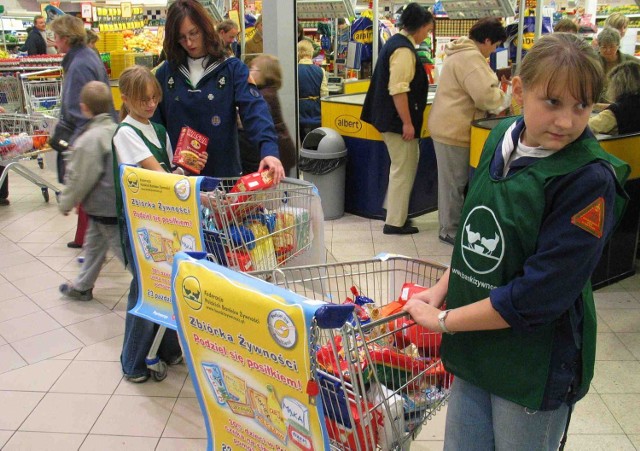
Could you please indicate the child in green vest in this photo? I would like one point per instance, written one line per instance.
(143, 143)
(520, 329)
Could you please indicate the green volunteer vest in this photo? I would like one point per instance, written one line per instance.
(160, 153)
(499, 229)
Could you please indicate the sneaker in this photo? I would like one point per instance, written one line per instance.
(73, 245)
(447, 239)
(68, 290)
(4, 202)
(137, 379)
(176, 360)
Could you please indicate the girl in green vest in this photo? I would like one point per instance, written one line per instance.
(520, 324)
(143, 143)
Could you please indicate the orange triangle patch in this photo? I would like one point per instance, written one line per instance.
(591, 218)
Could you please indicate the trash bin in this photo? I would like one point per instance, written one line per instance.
(322, 161)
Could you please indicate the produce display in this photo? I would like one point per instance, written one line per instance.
(147, 41)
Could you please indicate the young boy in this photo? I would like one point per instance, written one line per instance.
(89, 181)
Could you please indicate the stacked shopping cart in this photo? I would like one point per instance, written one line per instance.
(31, 103)
(24, 137)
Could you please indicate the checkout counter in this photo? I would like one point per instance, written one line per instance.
(619, 255)
(367, 173)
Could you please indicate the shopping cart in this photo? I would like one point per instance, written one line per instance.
(24, 137)
(10, 94)
(42, 91)
(380, 377)
(258, 230)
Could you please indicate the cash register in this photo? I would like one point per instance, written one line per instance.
(335, 85)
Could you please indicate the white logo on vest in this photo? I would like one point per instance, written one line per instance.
(482, 241)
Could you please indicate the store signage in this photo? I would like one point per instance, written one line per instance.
(348, 124)
(126, 10)
(85, 11)
(364, 36)
(162, 213)
(247, 346)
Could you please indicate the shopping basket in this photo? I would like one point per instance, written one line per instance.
(380, 378)
(258, 230)
(24, 137)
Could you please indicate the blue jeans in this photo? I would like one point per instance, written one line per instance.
(139, 332)
(478, 420)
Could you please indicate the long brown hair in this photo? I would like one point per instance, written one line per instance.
(177, 12)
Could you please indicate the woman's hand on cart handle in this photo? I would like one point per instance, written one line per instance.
(436, 294)
(423, 313)
(275, 168)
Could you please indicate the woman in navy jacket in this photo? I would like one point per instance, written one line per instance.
(205, 89)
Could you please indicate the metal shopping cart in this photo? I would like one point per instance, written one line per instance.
(42, 91)
(380, 377)
(11, 94)
(24, 137)
(258, 230)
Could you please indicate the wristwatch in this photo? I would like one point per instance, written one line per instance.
(442, 316)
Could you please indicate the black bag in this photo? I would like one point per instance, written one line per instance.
(61, 137)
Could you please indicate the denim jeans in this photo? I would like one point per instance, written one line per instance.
(139, 332)
(478, 420)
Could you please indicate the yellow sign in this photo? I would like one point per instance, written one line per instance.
(364, 36)
(348, 124)
(247, 346)
(162, 212)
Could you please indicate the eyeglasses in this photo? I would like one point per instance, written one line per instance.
(191, 36)
(149, 100)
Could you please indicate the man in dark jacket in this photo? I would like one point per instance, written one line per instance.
(36, 43)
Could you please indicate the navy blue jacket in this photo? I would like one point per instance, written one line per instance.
(35, 44)
(81, 65)
(309, 81)
(379, 109)
(210, 108)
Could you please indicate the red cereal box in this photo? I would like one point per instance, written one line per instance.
(190, 145)
(255, 181)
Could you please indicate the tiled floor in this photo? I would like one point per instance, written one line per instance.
(60, 382)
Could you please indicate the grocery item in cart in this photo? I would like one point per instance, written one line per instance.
(406, 330)
(361, 437)
(263, 254)
(333, 361)
(190, 146)
(392, 420)
(401, 371)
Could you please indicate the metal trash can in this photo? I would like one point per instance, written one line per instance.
(322, 162)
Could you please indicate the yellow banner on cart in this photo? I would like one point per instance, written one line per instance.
(247, 346)
(162, 212)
